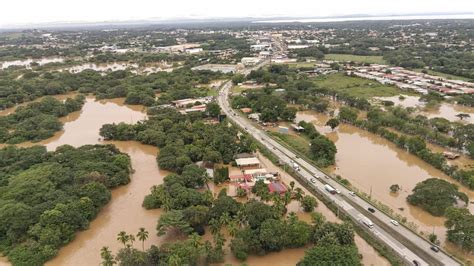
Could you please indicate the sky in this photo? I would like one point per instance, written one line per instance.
(16, 12)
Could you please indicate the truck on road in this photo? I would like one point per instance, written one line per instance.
(330, 189)
(367, 222)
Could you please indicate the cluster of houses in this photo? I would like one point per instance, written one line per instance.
(252, 171)
(411, 80)
(189, 105)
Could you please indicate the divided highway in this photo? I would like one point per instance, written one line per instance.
(414, 249)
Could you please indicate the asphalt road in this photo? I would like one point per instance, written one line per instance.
(393, 236)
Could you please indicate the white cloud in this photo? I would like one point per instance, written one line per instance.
(31, 11)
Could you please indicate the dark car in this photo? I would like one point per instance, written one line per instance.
(372, 210)
(416, 263)
(435, 248)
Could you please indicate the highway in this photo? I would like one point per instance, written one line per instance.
(393, 236)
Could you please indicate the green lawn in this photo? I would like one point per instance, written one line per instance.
(301, 64)
(357, 87)
(371, 59)
(299, 143)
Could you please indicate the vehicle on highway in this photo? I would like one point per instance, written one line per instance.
(296, 166)
(416, 263)
(367, 222)
(330, 189)
(338, 191)
(352, 193)
(313, 180)
(394, 222)
(372, 210)
(434, 248)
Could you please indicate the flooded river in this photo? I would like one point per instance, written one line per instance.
(372, 164)
(124, 212)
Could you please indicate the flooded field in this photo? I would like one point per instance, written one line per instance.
(27, 62)
(444, 110)
(124, 212)
(133, 67)
(372, 164)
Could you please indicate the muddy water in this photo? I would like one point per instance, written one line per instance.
(124, 212)
(372, 164)
(444, 110)
(133, 67)
(26, 63)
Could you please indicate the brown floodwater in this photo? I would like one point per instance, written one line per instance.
(372, 164)
(124, 212)
(444, 110)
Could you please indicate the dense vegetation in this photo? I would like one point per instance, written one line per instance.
(46, 197)
(460, 224)
(271, 107)
(442, 59)
(436, 196)
(137, 89)
(182, 139)
(37, 120)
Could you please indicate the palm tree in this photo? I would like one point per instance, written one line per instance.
(142, 235)
(107, 258)
(299, 194)
(123, 237)
(131, 238)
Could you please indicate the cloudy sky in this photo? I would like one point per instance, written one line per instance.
(39, 11)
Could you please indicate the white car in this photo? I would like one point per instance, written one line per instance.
(394, 222)
(352, 193)
(338, 191)
(312, 180)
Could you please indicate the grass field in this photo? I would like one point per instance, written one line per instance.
(357, 87)
(371, 59)
(302, 64)
(444, 75)
(296, 142)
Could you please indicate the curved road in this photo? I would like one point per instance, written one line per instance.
(352, 205)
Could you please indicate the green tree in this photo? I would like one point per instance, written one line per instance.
(123, 237)
(394, 188)
(308, 203)
(333, 123)
(173, 219)
(331, 255)
(107, 257)
(142, 235)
